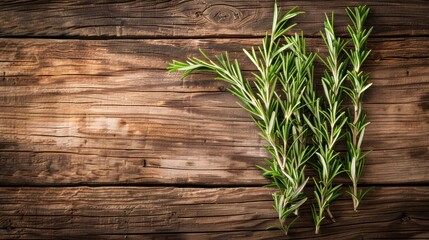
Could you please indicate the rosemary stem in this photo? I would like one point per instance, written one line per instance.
(354, 142)
(328, 210)
(355, 192)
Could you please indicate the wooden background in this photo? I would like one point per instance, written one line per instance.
(98, 141)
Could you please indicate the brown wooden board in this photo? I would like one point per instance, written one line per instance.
(106, 112)
(209, 18)
(198, 213)
(98, 141)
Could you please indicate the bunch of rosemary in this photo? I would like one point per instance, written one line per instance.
(277, 113)
(283, 104)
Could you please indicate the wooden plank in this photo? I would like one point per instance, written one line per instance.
(157, 18)
(269, 235)
(102, 112)
(198, 213)
(52, 59)
(208, 165)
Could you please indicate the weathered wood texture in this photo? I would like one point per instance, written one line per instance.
(85, 100)
(196, 213)
(107, 112)
(158, 18)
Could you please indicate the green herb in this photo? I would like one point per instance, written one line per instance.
(328, 120)
(355, 158)
(283, 104)
(279, 61)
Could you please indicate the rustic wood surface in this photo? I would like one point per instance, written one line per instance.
(197, 18)
(98, 141)
(198, 213)
(108, 112)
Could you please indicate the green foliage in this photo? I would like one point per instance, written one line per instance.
(282, 101)
(277, 112)
(327, 122)
(355, 158)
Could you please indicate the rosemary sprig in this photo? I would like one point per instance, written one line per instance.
(276, 113)
(355, 158)
(327, 124)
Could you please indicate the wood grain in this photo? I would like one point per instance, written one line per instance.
(104, 112)
(98, 141)
(196, 213)
(209, 18)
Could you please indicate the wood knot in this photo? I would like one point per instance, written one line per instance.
(223, 14)
(198, 14)
(405, 218)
